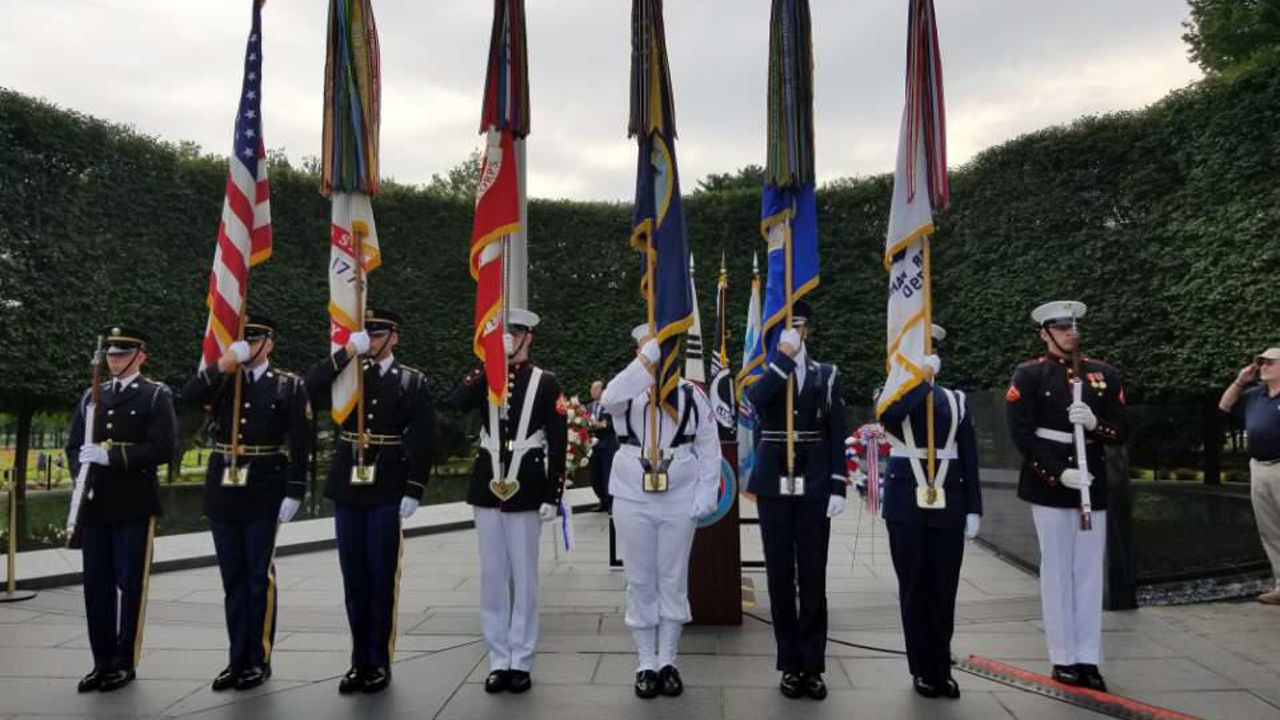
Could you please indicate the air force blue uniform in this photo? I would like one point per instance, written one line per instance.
(927, 546)
(794, 528)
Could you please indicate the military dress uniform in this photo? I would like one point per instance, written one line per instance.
(273, 442)
(136, 426)
(530, 442)
(927, 544)
(400, 426)
(794, 525)
(656, 527)
(1071, 559)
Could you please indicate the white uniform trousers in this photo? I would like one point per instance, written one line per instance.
(1071, 566)
(655, 537)
(509, 585)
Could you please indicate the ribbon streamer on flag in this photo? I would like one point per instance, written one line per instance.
(658, 220)
(499, 216)
(349, 175)
(244, 232)
(919, 189)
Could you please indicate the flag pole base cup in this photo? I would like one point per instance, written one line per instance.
(16, 596)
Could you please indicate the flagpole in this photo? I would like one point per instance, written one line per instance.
(239, 389)
(932, 451)
(791, 378)
(654, 392)
(357, 233)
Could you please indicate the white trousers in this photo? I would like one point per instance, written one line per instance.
(509, 585)
(1071, 568)
(655, 540)
(1265, 494)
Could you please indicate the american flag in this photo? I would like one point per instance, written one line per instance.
(244, 232)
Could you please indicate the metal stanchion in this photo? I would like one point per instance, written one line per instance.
(12, 593)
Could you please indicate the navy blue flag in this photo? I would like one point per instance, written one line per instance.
(789, 223)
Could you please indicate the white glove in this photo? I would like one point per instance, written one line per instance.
(790, 337)
(547, 512)
(651, 351)
(288, 508)
(1081, 414)
(835, 505)
(1072, 478)
(408, 506)
(241, 350)
(703, 505)
(508, 343)
(361, 341)
(94, 454)
(972, 522)
(934, 362)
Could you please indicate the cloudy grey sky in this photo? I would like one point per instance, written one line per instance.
(172, 68)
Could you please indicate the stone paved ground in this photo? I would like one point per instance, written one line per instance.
(1215, 660)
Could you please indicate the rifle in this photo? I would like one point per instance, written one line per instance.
(1082, 462)
(82, 489)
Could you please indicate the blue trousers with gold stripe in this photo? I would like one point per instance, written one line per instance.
(370, 546)
(246, 556)
(117, 564)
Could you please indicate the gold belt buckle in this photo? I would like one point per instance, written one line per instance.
(234, 476)
(928, 498)
(504, 489)
(363, 474)
(791, 485)
(655, 478)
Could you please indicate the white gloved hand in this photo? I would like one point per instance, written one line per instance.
(972, 522)
(547, 512)
(240, 349)
(835, 505)
(360, 341)
(288, 508)
(651, 351)
(791, 338)
(1081, 414)
(933, 362)
(93, 454)
(408, 506)
(703, 505)
(508, 343)
(1073, 479)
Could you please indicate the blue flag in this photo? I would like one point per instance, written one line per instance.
(789, 222)
(658, 229)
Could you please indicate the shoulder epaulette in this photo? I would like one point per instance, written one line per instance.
(1032, 362)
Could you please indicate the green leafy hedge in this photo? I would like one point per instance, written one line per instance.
(1162, 220)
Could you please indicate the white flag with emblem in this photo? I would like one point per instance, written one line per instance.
(352, 219)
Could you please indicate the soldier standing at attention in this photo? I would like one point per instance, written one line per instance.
(796, 510)
(515, 487)
(1043, 416)
(372, 499)
(246, 499)
(135, 431)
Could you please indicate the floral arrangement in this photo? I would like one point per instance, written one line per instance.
(580, 441)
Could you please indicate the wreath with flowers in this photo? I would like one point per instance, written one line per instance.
(578, 454)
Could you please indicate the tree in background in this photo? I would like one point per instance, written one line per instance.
(1225, 33)
(750, 177)
(460, 181)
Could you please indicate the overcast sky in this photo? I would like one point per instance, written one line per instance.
(172, 68)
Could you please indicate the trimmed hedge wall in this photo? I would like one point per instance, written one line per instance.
(1161, 220)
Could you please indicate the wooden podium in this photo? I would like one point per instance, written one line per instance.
(715, 567)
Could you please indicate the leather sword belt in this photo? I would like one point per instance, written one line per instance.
(800, 436)
(249, 450)
(1058, 436)
(372, 438)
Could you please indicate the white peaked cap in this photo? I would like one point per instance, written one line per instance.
(1058, 310)
(939, 334)
(518, 316)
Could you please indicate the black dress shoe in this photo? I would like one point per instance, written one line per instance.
(497, 681)
(672, 685)
(253, 677)
(814, 687)
(90, 682)
(116, 679)
(520, 681)
(951, 689)
(352, 682)
(647, 684)
(226, 679)
(792, 685)
(377, 679)
(1090, 677)
(923, 688)
(1066, 674)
